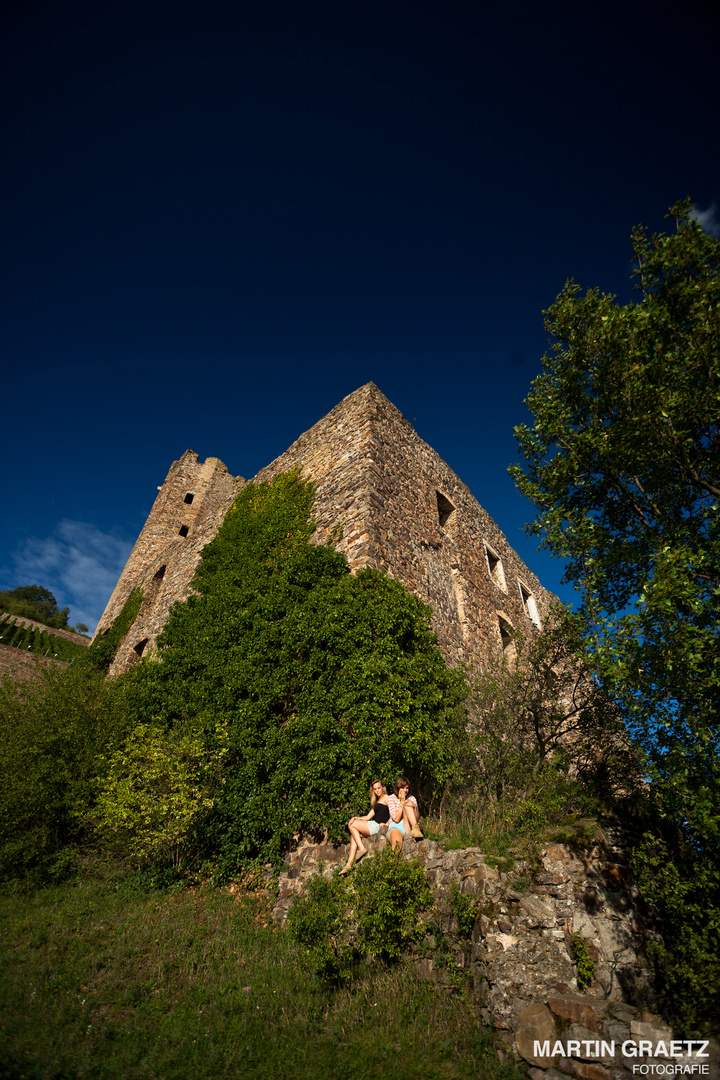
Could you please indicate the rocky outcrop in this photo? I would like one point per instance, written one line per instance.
(520, 957)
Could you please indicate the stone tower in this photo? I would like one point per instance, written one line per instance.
(187, 513)
(396, 505)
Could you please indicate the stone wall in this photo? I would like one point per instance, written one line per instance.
(402, 509)
(519, 962)
(187, 513)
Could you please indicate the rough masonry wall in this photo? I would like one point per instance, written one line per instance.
(402, 509)
(388, 500)
(167, 552)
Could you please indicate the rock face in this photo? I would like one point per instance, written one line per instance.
(522, 971)
(390, 502)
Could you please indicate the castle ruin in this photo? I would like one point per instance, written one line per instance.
(391, 502)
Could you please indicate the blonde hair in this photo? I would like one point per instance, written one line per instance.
(373, 796)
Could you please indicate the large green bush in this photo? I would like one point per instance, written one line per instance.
(53, 735)
(322, 680)
(57, 733)
(159, 786)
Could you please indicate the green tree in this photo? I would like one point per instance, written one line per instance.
(322, 680)
(34, 602)
(623, 465)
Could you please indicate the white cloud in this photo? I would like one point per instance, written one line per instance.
(79, 563)
(708, 220)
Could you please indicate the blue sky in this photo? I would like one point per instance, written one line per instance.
(219, 219)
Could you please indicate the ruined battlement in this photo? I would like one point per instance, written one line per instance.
(390, 501)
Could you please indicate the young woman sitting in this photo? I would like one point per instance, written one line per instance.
(404, 813)
(369, 825)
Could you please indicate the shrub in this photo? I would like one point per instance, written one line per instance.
(376, 913)
(321, 924)
(53, 733)
(585, 965)
(159, 785)
(390, 895)
(463, 910)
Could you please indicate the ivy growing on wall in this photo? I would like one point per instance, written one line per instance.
(101, 652)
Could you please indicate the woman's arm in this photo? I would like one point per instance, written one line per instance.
(396, 808)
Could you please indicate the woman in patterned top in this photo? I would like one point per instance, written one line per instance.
(404, 813)
(369, 825)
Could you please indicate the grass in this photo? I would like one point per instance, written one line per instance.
(101, 980)
(503, 835)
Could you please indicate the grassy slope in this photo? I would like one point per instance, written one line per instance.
(102, 981)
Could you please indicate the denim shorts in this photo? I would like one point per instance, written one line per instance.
(373, 827)
(397, 825)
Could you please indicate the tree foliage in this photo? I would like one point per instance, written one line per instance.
(322, 680)
(35, 602)
(158, 787)
(541, 727)
(623, 464)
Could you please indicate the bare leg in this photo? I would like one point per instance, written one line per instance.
(410, 821)
(357, 829)
(396, 838)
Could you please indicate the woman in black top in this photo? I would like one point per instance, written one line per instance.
(369, 825)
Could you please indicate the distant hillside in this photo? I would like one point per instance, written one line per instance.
(37, 603)
(22, 640)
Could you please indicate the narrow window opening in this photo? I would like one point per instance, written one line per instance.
(445, 509)
(140, 647)
(184, 530)
(529, 605)
(189, 497)
(495, 567)
(506, 638)
(159, 574)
